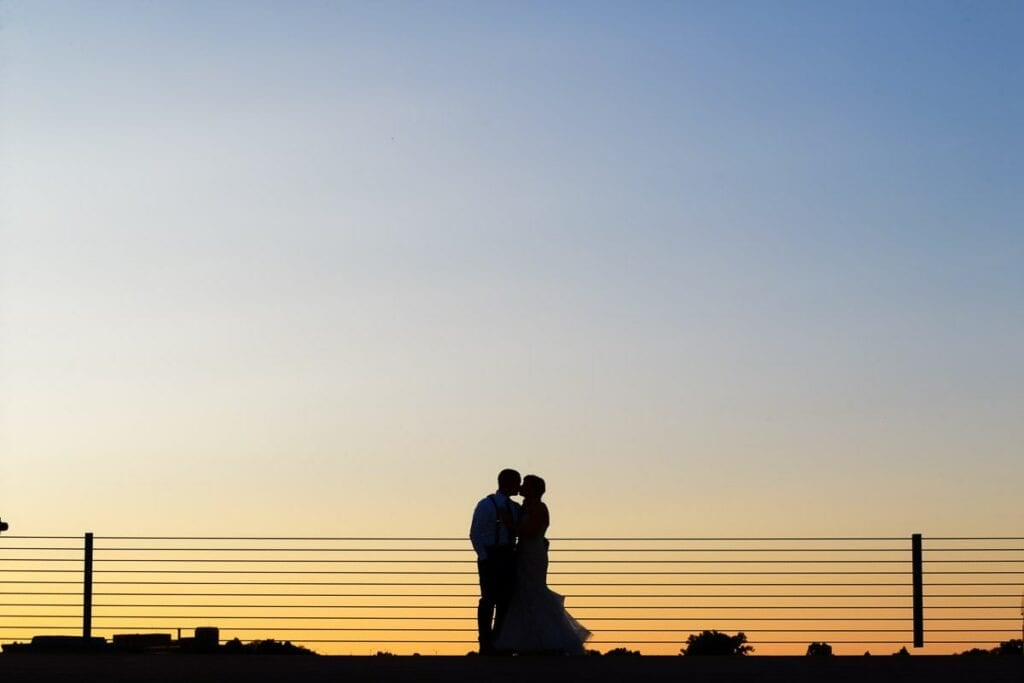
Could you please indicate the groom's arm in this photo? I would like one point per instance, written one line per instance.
(483, 523)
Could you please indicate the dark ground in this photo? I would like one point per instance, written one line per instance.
(36, 668)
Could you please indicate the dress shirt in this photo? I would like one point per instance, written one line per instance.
(483, 528)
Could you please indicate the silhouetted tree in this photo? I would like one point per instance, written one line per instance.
(622, 652)
(902, 653)
(1010, 647)
(819, 650)
(274, 647)
(716, 643)
(1007, 647)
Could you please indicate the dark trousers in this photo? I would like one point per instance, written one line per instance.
(497, 582)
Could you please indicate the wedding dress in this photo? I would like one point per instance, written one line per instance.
(537, 621)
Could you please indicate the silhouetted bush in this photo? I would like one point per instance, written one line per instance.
(622, 652)
(902, 653)
(819, 650)
(1007, 647)
(265, 647)
(715, 643)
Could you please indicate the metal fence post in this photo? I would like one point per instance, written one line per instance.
(918, 570)
(87, 590)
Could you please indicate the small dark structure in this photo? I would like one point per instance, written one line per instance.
(142, 642)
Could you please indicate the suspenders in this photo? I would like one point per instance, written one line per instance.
(497, 521)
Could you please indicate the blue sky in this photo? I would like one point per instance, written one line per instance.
(749, 266)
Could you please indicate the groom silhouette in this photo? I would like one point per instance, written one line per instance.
(495, 546)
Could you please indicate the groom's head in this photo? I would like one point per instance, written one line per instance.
(508, 482)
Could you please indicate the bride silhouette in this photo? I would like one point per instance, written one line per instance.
(537, 621)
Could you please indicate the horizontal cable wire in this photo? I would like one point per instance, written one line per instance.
(447, 618)
(676, 607)
(664, 596)
(553, 550)
(747, 562)
(300, 629)
(376, 572)
(616, 584)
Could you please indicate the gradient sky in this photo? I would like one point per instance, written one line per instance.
(711, 268)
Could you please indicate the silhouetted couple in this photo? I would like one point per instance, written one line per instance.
(518, 613)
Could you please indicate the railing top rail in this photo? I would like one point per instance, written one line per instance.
(975, 538)
(553, 538)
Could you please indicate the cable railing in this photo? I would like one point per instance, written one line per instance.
(361, 595)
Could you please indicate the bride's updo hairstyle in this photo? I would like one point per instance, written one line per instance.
(537, 482)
